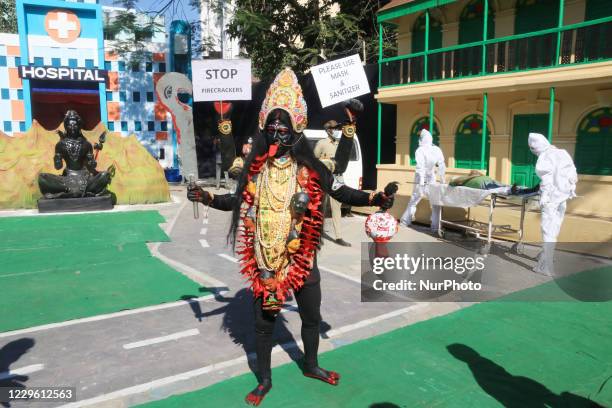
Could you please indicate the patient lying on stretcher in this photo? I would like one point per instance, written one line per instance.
(478, 180)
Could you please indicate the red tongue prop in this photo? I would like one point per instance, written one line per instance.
(272, 150)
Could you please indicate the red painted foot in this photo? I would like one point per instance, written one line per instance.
(330, 377)
(256, 396)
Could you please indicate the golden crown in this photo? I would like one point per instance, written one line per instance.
(285, 93)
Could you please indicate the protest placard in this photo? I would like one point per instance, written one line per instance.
(221, 80)
(340, 80)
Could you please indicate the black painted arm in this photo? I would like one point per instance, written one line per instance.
(343, 154)
(228, 151)
(223, 202)
(341, 192)
(351, 196)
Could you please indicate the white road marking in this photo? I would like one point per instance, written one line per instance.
(117, 208)
(4, 375)
(367, 322)
(203, 231)
(342, 275)
(205, 220)
(149, 386)
(161, 382)
(197, 276)
(229, 258)
(162, 339)
(204, 243)
(170, 225)
(103, 317)
(192, 273)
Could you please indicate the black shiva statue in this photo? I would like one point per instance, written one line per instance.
(277, 220)
(80, 177)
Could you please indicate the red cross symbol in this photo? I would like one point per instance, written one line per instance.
(62, 25)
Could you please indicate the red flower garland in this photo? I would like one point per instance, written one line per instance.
(300, 263)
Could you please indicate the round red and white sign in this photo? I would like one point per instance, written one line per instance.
(62, 25)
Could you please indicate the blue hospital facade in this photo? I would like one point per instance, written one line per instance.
(61, 60)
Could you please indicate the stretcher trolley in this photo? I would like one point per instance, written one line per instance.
(466, 198)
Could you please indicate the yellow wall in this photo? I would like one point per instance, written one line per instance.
(590, 215)
(588, 218)
(571, 105)
(504, 14)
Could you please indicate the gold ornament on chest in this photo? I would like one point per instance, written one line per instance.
(277, 214)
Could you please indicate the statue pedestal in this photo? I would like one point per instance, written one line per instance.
(48, 205)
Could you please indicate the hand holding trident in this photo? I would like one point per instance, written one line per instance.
(197, 195)
(192, 186)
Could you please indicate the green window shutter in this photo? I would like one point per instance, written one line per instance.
(594, 143)
(468, 142)
(472, 20)
(597, 38)
(597, 9)
(535, 15)
(419, 124)
(418, 34)
(468, 61)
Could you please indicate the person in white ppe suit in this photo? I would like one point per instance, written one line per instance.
(428, 156)
(558, 178)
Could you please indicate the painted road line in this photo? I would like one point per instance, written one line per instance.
(192, 273)
(161, 382)
(104, 316)
(162, 339)
(4, 375)
(203, 231)
(373, 320)
(229, 258)
(358, 280)
(205, 220)
(204, 243)
(170, 225)
(342, 275)
(152, 385)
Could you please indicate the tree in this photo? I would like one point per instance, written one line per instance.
(8, 17)
(300, 34)
(294, 33)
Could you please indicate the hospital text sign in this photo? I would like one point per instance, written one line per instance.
(62, 73)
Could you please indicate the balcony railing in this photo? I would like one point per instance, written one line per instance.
(585, 42)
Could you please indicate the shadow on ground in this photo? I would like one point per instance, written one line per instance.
(513, 391)
(9, 354)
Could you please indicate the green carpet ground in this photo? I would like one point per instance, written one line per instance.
(504, 353)
(63, 267)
